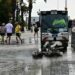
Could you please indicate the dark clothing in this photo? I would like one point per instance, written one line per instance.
(18, 34)
(2, 29)
(9, 34)
(2, 34)
(38, 24)
(36, 29)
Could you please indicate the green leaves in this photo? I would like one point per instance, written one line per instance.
(24, 8)
(5, 10)
(0, 0)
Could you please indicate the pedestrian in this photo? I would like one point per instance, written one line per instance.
(18, 32)
(2, 32)
(38, 24)
(9, 31)
(36, 30)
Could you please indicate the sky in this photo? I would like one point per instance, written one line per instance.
(54, 5)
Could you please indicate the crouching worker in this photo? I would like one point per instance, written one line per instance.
(18, 32)
(36, 31)
(46, 44)
(62, 43)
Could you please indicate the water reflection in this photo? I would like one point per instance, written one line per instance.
(25, 66)
(22, 63)
(33, 67)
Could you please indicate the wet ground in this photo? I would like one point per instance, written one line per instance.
(22, 63)
(17, 60)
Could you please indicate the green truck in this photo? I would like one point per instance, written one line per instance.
(54, 26)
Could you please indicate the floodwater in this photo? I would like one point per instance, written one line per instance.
(20, 62)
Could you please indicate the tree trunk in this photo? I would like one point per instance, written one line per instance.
(13, 12)
(29, 19)
(13, 8)
(21, 11)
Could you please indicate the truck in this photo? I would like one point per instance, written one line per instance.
(54, 26)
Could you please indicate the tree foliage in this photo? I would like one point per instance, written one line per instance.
(30, 10)
(24, 8)
(5, 10)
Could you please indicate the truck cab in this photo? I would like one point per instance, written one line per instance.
(54, 25)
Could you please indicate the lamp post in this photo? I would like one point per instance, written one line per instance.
(65, 5)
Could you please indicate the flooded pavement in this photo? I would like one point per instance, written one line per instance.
(21, 63)
(17, 60)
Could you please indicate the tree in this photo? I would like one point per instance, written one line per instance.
(24, 9)
(13, 9)
(30, 10)
(5, 10)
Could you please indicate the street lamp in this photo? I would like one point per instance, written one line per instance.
(65, 5)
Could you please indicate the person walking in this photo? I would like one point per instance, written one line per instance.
(36, 31)
(18, 32)
(2, 32)
(9, 31)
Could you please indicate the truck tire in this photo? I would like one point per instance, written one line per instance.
(65, 49)
(65, 46)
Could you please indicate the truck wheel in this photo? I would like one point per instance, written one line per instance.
(65, 49)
